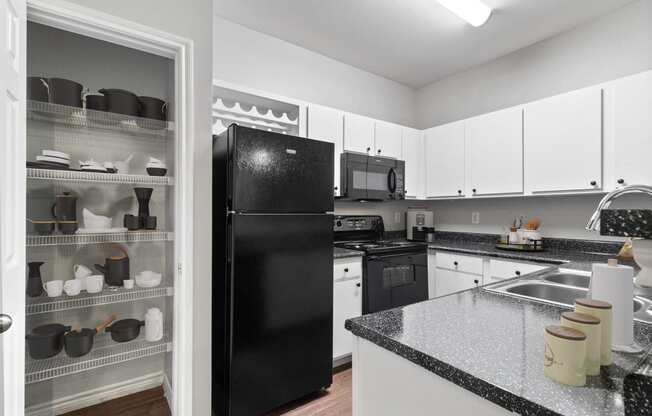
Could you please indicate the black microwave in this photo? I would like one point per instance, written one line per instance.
(371, 178)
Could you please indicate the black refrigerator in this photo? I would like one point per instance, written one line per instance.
(272, 300)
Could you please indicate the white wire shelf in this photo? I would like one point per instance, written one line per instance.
(44, 304)
(105, 353)
(254, 113)
(99, 238)
(219, 125)
(84, 118)
(96, 177)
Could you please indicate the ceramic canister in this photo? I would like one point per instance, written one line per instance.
(603, 311)
(592, 328)
(565, 353)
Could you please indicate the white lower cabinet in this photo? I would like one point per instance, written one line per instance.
(448, 281)
(347, 302)
(501, 269)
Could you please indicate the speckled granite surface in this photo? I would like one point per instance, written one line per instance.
(492, 345)
(340, 253)
(626, 222)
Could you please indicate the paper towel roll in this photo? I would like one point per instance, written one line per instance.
(614, 283)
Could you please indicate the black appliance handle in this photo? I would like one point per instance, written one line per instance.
(391, 180)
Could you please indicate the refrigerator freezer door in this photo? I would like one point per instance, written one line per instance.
(279, 173)
(282, 300)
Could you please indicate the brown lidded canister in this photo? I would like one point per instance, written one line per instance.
(591, 327)
(604, 312)
(565, 353)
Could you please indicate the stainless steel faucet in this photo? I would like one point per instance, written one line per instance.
(594, 222)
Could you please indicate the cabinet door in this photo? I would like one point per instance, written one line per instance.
(413, 154)
(347, 303)
(563, 142)
(328, 125)
(388, 140)
(448, 281)
(633, 130)
(494, 153)
(445, 160)
(501, 269)
(358, 133)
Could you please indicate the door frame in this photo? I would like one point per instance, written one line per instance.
(91, 23)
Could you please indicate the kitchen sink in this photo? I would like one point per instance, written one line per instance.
(570, 279)
(562, 288)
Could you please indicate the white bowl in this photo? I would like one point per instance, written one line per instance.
(148, 279)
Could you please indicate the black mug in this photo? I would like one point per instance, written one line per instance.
(131, 222)
(115, 270)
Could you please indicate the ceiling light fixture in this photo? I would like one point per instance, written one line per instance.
(475, 12)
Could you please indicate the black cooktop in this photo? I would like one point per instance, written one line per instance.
(383, 246)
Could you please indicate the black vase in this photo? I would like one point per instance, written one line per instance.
(143, 195)
(34, 281)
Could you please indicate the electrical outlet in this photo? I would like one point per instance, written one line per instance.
(475, 217)
(397, 217)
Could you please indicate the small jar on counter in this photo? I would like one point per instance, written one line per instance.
(590, 326)
(603, 311)
(565, 354)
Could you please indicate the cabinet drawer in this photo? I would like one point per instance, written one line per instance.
(500, 269)
(345, 269)
(466, 264)
(448, 281)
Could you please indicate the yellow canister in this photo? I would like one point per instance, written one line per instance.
(590, 326)
(603, 311)
(565, 353)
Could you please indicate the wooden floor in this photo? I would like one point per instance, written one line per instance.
(336, 401)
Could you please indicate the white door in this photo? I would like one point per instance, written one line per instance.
(633, 130)
(12, 204)
(327, 124)
(347, 303)
(358, 133)
(413, 154)
(494, 153)
(445, 160)
(563, 142)
(388, 140)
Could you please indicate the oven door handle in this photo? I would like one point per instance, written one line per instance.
(391, 180)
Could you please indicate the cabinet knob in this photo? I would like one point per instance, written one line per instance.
(368, 149)
(476, 281)
(358, 284)
(621, 181)
(593, 183)
(346, 270)
(455, 263)
(518, 273)
(459, 192)
(379, 150)
(336, 188)
(474, 190)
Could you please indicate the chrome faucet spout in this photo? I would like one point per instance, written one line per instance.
(594, 222)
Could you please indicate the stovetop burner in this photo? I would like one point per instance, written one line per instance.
(380, 245)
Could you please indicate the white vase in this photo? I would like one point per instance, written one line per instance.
(153, 325)
(643, 257)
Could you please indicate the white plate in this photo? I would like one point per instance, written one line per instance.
(101, 230)
(54, 153)
(94, 168)
(53, 160)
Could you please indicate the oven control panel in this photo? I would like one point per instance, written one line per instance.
(357, 222)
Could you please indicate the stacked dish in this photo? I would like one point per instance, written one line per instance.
(55, 158)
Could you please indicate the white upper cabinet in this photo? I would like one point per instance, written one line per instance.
(328, 125)
(413, 154)
(445, 160)
(388, 140)
(563, 142)
(358, 133)
(494, 153)
(633, 130)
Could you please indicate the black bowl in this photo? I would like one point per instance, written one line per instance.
(43, 227)
(156, 171)
(68, 227)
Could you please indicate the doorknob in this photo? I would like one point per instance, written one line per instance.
(5, 322)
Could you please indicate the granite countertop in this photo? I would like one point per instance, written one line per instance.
(492, 345)
(340, 253)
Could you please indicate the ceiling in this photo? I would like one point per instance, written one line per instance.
(414, 42)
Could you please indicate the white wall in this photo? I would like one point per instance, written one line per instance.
(262, 62)
(610, 47)
(192, 20)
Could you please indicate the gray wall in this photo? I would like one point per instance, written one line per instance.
(192, 20)
(610, 47)
(260, 61)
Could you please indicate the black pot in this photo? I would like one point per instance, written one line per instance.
(96, 102)
(65, 92)
(153, 108)
(37, 89)
(125, 330)
(121, 101)
(150, 223)
(79, 343)
(46, 341)
(43, 227)
(68, 227)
